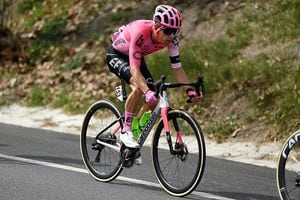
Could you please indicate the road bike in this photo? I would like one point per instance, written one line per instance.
(288, 168)
(178, 147)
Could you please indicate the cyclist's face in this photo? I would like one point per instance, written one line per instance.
(164, 38)
(161, 37)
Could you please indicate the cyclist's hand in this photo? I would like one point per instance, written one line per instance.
(150, 97)
(193, 96)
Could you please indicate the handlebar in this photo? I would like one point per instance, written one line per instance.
(161, 85)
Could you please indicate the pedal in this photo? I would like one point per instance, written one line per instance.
(128, 155)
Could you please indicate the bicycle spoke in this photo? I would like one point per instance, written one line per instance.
(169, 163)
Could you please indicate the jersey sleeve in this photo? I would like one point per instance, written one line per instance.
(135, 48)
(173, 50)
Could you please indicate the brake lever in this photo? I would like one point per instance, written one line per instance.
(199, 88)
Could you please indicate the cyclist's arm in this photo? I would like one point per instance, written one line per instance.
(135, 55)
(138, 79)
(178, 70)
(180, 76)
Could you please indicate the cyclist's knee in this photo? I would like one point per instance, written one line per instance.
(136, 91)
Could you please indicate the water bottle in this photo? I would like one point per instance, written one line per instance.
(135, 128)
(139, 125)
(144, 119)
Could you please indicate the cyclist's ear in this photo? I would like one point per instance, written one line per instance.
(156, 26)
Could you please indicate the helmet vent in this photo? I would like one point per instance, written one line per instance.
(158, 18)
(172, 22)
(166, 19)
(164, 7)
(173, 11)
(160, 11)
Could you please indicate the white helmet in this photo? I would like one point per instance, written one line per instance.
(168, 16)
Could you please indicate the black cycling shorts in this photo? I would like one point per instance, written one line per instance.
(118, 63)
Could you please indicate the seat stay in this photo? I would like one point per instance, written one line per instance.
(109, 126)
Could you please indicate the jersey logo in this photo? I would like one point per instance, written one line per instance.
(140, 41)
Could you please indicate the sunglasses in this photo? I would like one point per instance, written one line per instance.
(169, 31)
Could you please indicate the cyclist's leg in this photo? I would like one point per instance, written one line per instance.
(118, 63)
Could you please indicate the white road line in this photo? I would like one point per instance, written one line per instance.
(122, 178)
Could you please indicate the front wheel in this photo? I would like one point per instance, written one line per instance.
(288, 169)
(179, 172)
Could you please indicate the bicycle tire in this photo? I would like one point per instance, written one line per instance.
(163, 159)
(288, 168)
(96, 119)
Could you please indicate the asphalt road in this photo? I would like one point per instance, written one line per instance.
(38, 164)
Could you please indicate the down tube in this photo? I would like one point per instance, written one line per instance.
(155, 115)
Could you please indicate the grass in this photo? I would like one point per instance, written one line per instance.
(52, 24)
(8, 75)
(4, 101)
(272, 19)
(224, 128)
(38, 96)
(69, 103)
(51, 34)
(27, 5)
(74, 63)
(61, 99)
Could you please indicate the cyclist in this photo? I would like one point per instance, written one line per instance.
(125, 58)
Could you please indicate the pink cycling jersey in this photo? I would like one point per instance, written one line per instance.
(134, 40)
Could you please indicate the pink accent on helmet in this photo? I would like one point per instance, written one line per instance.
(167, 16)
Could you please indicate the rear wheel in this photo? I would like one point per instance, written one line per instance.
(288, 169)
(102, 123)
(179, 172)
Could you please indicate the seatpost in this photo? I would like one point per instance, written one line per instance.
(124, 95)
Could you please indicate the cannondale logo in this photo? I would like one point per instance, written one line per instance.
(290, 144)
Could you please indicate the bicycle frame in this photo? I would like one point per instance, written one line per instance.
(161, 109)
(105, 156)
